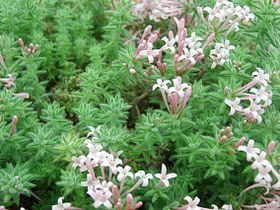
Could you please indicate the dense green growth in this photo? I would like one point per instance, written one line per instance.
(77, 79)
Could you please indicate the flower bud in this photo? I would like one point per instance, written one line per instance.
(270, 147)
(132, 71)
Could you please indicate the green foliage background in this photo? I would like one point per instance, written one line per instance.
(77, 80)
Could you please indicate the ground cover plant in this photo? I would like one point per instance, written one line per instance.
(137, 104)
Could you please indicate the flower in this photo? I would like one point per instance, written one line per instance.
(101, 198)
(161, 84)
(169, 43)
(60, 205)
(234, 105)
(220, 54)
(251, 152)
(81, 162)
(260, 77)
(262, 95)
(193, 41)
(178, 87)
(260, 161)
(263, 175)
(150, 54)
(112, 163)
(123, 173)
(164, 177)
(192, 204)
(90, 183)
(144, 177)
(188, 55)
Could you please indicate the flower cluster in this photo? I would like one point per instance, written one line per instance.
(28, 51)
(263, 178)
(192, 204)
(225, 16)
(157, 9)
(9, 82)
(177, 96)
(220, 54)
(101, 186)
(187, 51)
(258, 98)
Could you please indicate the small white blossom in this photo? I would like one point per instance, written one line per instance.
(169, 44)
(164, 177)
(178, 87)
(263, 175)
(150, 54)
(145, 177)
(101, 198)
(234, 105)
(161, 84)
(124, 172)
(260, 77)
(192, 204)
(60, 205)
(251, 152)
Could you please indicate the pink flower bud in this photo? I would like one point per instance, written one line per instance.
(270, 147)
(226, 90)
(15, 119)
(222, 132)
(115, 193)
(21, 43)
(119, 206)
(132, 71)
(241, 141)
(209, 40)
(223, 139)
(227, 130)
(153, 38)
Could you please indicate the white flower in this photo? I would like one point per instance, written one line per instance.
(227, 207)
(261, 95)
(164, 177)
(192, 204)
(260, 161)
(189, 55)
(193, 41)
(90, 183)
(220, 54)
(178, 87)
(251, 152)
(260, 77)
(123, 173)
(145, 177)
(169, 44)
(101, 157)
(81, 162)
(161, 84)
(254, 111)
(60, 205)
(234, 105)
(101, 198)
(215, 207)
(104, 186)
(263, 175)
(150, 54)
(112, 163)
